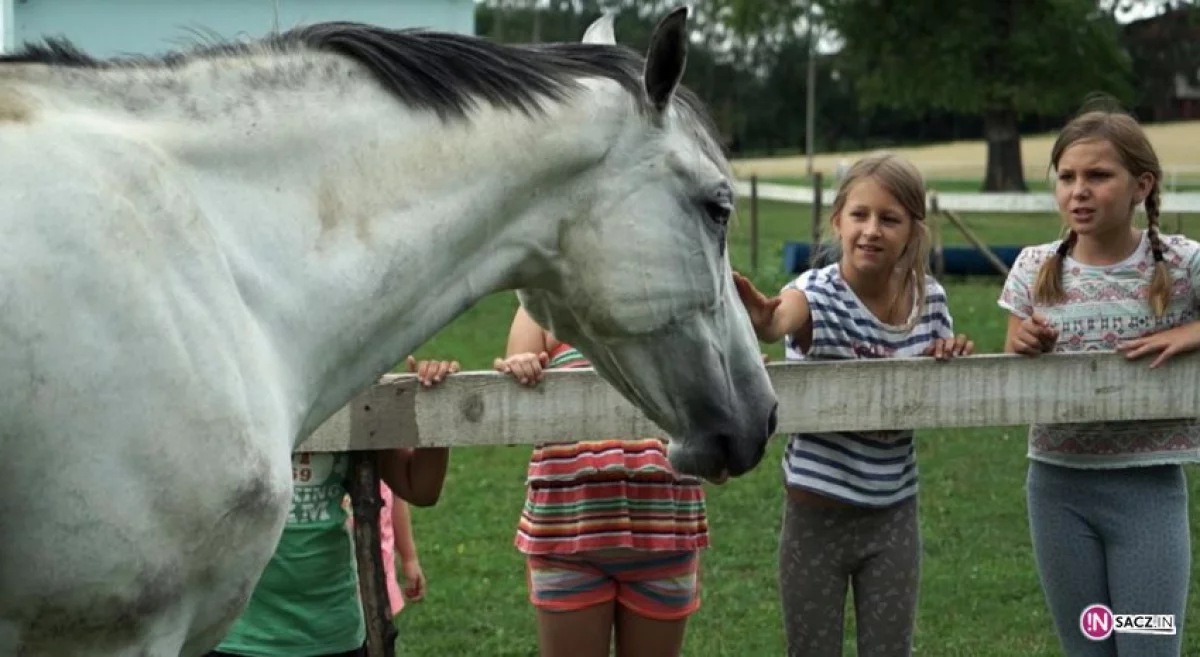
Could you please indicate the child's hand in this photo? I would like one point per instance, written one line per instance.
(1035, 336)
(526, 368)
(1178, 340)
(431, 372)
(413, 587)
(760, 308)
(947, 348)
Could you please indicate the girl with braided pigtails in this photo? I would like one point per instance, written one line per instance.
(1108, 501)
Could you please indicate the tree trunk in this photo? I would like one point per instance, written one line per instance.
(1004, 170)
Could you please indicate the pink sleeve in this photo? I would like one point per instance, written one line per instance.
(387, 538)
(387, 542)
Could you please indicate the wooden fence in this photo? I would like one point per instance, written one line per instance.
(487, 408)
(471, 409)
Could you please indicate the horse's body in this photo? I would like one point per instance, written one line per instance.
(202, 259)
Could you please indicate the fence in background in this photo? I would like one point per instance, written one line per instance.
(997, 202)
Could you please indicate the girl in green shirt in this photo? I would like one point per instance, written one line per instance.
(306, 603)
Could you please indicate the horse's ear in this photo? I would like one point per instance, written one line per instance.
(666, 58)
(601, 31)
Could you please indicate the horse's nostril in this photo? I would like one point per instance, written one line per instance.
(773, 421)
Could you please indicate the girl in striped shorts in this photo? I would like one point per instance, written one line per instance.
(851, 514)
(611, 534)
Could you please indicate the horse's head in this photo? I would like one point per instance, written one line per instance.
(643, 285)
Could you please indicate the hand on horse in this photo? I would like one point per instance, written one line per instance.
(760, 308)
(526, 368)
(431, 372)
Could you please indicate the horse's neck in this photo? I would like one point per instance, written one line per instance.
(356, 228)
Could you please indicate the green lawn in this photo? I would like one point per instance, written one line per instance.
(979, 597)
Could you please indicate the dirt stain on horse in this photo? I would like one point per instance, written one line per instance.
(332, 212)
(329, 208)
(109, 619)
(15, 107)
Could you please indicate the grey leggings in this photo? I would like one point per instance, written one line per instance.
(1116, 537)
(822, 549)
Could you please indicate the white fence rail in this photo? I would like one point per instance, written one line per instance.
(999, 202)
(487, 408)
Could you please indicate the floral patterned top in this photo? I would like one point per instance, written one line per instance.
(1107, 305)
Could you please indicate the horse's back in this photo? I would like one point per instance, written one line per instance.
(143, 481)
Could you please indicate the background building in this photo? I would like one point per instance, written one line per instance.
(114, 27)
(1165, 50)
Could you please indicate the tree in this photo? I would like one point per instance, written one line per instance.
(1000, 59)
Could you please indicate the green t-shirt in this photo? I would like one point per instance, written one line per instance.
(306, 602)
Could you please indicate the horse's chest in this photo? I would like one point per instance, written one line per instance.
(177, 553)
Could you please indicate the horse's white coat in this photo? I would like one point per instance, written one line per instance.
(200, 265)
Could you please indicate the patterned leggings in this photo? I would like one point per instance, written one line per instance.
(1114, 537)
(824, 548)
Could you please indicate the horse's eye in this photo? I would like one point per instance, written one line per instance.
(719, 210)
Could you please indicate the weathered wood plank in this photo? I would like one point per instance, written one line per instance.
(486, 408)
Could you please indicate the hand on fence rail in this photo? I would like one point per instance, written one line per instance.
(526, 368)
(1032, 336)
(1178, 340)
(431, 372)
(947, 348)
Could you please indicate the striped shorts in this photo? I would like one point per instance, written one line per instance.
(657, 585)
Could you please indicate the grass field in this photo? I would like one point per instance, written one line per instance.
(980, 595)
(1173, 142)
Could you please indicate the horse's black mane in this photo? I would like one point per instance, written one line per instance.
(439, 71)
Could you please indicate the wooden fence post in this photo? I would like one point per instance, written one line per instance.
(813, 255)
(935, 229)
(979, 244)
(754, 223)
(366, 502)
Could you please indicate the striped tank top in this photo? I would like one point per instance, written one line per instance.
(877, 468)
(607, 494)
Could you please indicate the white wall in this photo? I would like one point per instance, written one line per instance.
(6, 24)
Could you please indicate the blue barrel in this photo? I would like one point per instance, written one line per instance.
(960, 260)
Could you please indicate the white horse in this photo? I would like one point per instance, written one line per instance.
(203, 256)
